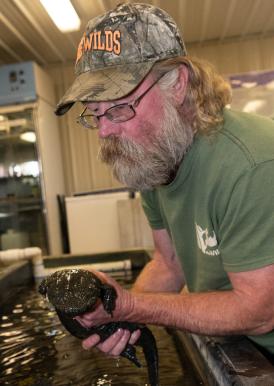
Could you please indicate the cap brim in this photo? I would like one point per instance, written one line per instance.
(104, 85)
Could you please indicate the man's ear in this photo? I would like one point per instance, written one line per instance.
(181, 85)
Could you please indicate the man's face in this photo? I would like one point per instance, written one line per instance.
(132, 128)
(145, 150)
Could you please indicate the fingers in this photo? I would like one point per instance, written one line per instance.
(115, 344)
(83, 323)
(91, 341)
(134, 337)
(105, 346)
(94, 318)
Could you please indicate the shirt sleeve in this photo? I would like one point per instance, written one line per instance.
(152, 209)
(246, 231)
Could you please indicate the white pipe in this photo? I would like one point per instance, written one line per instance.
(13, 255)
(113, 266)
(39, 271)
(33, 253)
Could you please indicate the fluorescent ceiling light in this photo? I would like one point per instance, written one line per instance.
(28, 136)
(63, 14)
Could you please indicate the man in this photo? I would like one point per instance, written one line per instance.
(205, 174)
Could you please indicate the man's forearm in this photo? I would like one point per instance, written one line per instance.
(214, 313)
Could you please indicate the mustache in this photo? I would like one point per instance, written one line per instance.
(113, 148)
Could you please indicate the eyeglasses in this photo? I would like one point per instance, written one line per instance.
(120, 113)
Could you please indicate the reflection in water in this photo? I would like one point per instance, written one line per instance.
(35, 350)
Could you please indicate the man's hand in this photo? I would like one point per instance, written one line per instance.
(121, 312)
(117, 342)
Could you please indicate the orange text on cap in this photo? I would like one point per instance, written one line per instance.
(108, 41)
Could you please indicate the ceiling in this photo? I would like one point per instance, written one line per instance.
(27, 32)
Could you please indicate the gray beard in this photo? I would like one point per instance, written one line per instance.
(144, 167)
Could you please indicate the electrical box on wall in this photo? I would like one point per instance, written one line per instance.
(23, 83)
(17, 83)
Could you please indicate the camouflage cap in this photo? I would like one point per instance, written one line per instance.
(117, 51)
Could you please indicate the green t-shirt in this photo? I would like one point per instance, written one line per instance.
(219, 210)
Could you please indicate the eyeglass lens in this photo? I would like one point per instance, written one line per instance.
(120, 113)
(89, 121)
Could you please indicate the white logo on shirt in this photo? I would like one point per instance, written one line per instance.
(206, 242)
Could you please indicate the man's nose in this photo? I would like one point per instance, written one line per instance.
(107, 127)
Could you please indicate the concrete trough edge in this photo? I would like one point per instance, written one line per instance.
(226, 361)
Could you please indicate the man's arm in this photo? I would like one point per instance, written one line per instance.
(246, 309)
(163, 273)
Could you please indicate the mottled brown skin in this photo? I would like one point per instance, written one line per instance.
(74, 292)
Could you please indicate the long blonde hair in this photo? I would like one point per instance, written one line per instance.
(207, 91)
